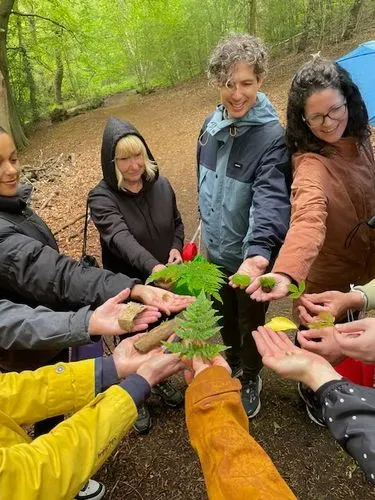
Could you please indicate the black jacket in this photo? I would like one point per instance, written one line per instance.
(33, 272)
(349, 412)
(137, 230)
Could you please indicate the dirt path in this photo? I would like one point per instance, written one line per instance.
(162, 464)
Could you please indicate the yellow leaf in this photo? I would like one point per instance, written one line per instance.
(280, 324)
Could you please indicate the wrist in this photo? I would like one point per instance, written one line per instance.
(136, 292)
(147, 374)
(357, 300)
(92, 328)
(320, 375)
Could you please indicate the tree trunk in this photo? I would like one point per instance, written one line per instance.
(12, 115)
(29, 74)
(306, 26)
(4, 117)
(252, 4)
(59, 77)
(353, 18)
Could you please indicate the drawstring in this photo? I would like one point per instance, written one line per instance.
(201, 137)
(370, 223)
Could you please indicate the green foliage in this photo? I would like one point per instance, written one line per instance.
(192, 278)
(267, 283)
(197, 325)
(108, 47)
(295, 292)
(241, 280)
(325, 319)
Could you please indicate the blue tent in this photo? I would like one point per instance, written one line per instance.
(361, 65)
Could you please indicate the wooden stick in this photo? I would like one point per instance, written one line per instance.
(155, 336)
(45, 202)
(69, 224)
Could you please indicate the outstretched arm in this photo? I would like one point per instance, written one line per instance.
(234, 465)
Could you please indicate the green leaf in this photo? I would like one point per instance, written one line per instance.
(241, 280)
(297, 291)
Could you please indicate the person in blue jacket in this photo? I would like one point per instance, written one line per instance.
(244, 182)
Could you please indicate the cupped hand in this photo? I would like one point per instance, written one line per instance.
(279, 291)
(167, 302)
(289, 361)
(174, 257)
(104, 320)
(322, 341)
(252, 266)
(196, 365)
(126, 357)
(160, 367)
(357, 339)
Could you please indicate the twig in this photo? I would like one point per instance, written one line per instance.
(134, 489)
(69, 224)
(113, 489)
(45, 203)
(24, 14)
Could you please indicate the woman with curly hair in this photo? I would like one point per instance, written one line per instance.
(329, 243)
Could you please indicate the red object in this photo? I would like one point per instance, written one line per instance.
(357, 372)
(189, 251)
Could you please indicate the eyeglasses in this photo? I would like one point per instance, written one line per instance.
(335, 113)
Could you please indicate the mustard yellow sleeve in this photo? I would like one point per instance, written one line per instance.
(234, 466)
(55, 466)
(30, 396)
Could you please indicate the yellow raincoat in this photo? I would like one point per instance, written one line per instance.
(56, 465)
(235, 467)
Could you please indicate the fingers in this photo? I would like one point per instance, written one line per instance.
(264, 345)
(189, 376)
(303, 316)
(120, 297)
(308, 344)
(312, 334)
(254, 286)
(311, 307)
(356, 326)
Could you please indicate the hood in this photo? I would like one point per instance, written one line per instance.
(115, 130)
(263, 112)
(15, 204)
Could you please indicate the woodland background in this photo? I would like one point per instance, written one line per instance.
(67, 55)
(144, 61)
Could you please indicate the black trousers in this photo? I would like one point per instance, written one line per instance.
(44, 426)
(241, 315)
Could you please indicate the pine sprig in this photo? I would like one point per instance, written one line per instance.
(198, 324)
(194, 277)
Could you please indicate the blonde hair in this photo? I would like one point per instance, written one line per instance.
(131, 145)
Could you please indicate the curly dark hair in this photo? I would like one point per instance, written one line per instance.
(319, 74)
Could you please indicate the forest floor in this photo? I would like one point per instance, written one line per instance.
(162, 464)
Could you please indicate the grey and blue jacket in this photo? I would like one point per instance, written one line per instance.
(244, 179)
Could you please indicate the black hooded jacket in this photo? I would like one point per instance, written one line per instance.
(137, 230)
(33, 272)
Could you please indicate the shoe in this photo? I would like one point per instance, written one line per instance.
(250, 396)
(93, 490)
(143, 423)
(314, 411)
(171, 396)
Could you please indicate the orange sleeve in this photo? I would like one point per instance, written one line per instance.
(234, 465)
(307, 230)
